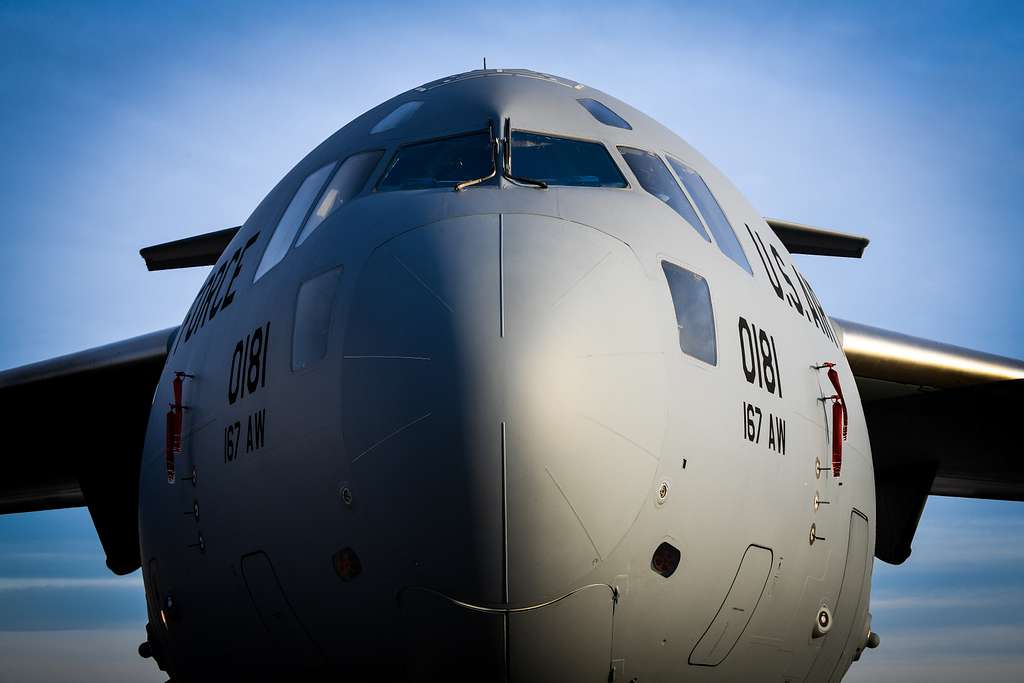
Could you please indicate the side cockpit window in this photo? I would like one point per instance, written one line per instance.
(563, 161)
(292, 219)
(655, 177)
(439, 163)
(695, 317)
(708, 206)
(348, 180)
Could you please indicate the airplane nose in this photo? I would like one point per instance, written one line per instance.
(504, 405)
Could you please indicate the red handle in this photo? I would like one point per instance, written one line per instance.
(837, 438)
(834, 378)
(172, 423)
(840, 421)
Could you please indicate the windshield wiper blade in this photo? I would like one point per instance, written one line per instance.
(494, 163)
(506, 170)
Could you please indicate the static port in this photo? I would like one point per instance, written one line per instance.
(822, 622)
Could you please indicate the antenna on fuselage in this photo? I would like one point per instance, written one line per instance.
(485, 63)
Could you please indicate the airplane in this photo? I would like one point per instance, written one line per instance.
(504, 380)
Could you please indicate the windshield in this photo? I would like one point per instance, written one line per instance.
(561, 161)
(439, 163)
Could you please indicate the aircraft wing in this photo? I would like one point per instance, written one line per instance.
(942, 421)
(79, 422)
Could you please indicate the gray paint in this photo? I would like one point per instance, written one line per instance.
(503, 395)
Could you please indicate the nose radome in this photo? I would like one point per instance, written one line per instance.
(503, 403)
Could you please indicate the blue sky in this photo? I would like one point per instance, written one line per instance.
(128, 124)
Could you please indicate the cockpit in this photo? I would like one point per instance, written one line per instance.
(491, 154)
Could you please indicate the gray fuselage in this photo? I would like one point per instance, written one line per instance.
(468, 424)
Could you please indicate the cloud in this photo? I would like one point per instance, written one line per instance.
(42, 603)
(993, 654)
(947, 600)
(29, 583)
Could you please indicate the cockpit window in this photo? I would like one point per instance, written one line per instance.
(397, 117)
(348, 180)
(603, 113)
(439, 163)
(719, 225)
(655, 177)
(292, 218)
(695, 318)
(562, 161)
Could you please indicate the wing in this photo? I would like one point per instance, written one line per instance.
(806, 239)
(80, 422)
(200, 250)
(941, 422)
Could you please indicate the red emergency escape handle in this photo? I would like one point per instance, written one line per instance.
(174, 424)
(840, 421)
(172, 427)
(837, 438)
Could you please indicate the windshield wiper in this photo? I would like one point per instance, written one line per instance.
(494, 162)
(506, 170)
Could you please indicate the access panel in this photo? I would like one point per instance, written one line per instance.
(735, 612)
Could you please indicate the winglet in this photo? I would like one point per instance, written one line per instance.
(805, 239)
(200, 250)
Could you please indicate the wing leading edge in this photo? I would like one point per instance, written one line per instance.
(940, 419)
(81, 420)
